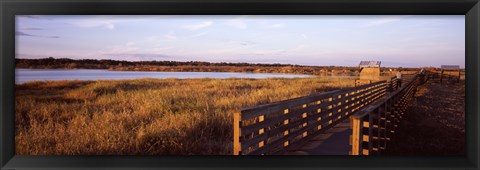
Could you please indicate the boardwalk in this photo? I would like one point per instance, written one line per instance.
(278, 127)
(353, 121)
(334, 141)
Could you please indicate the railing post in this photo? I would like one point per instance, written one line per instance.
(378, 132)
(389, 121)
(390, 85)
(287, 132)
(459, 72)
(383, 127)
(441, 75)
(370, 134)
(237, 147)
(356, 137)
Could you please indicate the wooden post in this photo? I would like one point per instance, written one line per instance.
(370, 135)
(237, 147)
(459, 72)
(441, 76)
(383, 127)
(356, 137)
(378, 133)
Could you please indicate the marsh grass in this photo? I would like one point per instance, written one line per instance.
(144, 116)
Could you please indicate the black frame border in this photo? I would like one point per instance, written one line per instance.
(10, 8)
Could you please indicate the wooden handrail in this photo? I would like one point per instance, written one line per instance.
(449, 74)
(274, 128)
(374, 125)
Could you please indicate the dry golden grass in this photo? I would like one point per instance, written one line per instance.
(144, 116)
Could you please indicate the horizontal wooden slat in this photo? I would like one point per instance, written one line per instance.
(252, 112)
(271, 121)
(254, 140)
(281, 129)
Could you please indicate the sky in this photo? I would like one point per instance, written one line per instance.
(317, 40)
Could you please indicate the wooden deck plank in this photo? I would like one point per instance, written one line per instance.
(334, 141)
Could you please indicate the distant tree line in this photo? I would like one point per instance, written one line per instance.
(66, 63)
(188, 66)
(87, 63)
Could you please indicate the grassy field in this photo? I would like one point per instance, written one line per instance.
(144, 116)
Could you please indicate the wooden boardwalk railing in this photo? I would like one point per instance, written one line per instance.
(275, 127)
(442, 75)
(374, 125)
(393, 83)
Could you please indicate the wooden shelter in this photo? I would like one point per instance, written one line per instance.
(450, 67)
(450, 71)
(369, 71)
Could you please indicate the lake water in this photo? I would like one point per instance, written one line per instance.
(26, 75)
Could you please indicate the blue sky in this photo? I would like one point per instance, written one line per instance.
(408, 41)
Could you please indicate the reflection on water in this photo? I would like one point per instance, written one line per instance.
(25, 75)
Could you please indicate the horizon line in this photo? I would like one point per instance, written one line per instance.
(233, 63)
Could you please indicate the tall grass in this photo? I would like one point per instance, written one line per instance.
(144, 116)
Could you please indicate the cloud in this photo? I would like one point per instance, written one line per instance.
(24, 55)
(107, 23)
(120, 49)
(52, 36)
(138, 56)
(170, 36)
(130, 51)
(160, 49)
(225, 50)
(247, 43)
(264, 59)
(130, 44)
(31, 28)
(303, 35)
(384, 20)
(19, 33)
(276, 26)
(276, 52)
(238, 22)
(242, 43)
(200, 34)
(198, 26)
(268, 52)
(35, 17)
(299, 47)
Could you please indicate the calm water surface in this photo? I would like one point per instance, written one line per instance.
(26, 75)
